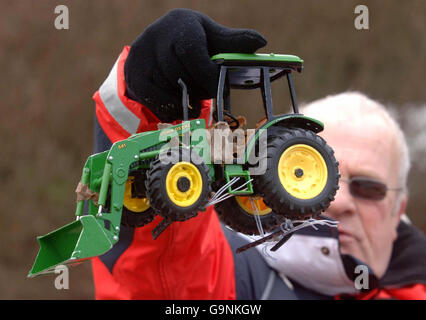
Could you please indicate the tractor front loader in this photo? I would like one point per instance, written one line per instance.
(106, 188)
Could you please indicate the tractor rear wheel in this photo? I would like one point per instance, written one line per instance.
(302, 173)
(240, 212)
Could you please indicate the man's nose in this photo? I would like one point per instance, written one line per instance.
(343, 203)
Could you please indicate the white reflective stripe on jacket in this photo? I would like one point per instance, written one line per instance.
(111, 99)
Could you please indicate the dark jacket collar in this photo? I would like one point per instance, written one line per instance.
(408, 261)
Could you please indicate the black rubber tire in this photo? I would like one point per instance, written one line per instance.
(273, 192)
(136, 219)
(232, 214)
(133, 219)
(157, 193)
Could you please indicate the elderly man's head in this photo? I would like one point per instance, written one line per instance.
(374, 164)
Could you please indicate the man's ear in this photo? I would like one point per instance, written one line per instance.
(402, 206)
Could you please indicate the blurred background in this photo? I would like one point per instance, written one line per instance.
(50, 75)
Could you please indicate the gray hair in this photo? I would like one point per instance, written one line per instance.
(355, 106)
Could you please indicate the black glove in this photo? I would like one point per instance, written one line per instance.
(179, 45)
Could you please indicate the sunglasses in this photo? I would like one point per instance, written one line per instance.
(367, 188)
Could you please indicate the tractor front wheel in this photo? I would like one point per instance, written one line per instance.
(178, 190)
(137, 210)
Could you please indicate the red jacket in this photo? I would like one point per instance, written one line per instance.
(411, 292)
(162, 268)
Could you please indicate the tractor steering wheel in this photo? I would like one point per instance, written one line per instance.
(234, 123)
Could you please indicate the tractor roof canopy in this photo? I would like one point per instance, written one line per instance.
(244, 69)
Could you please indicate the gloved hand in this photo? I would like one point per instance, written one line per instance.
(179, 45)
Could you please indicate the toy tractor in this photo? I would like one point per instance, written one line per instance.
(147, 174)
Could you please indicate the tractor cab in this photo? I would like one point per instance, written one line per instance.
(253, 71)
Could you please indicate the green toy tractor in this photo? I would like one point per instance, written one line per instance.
(285, 171)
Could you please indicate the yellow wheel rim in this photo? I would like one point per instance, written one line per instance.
(302, 171)
(246, 205)
(184, 184)
(134, 204)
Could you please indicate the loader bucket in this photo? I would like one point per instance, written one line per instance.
(70, 244)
